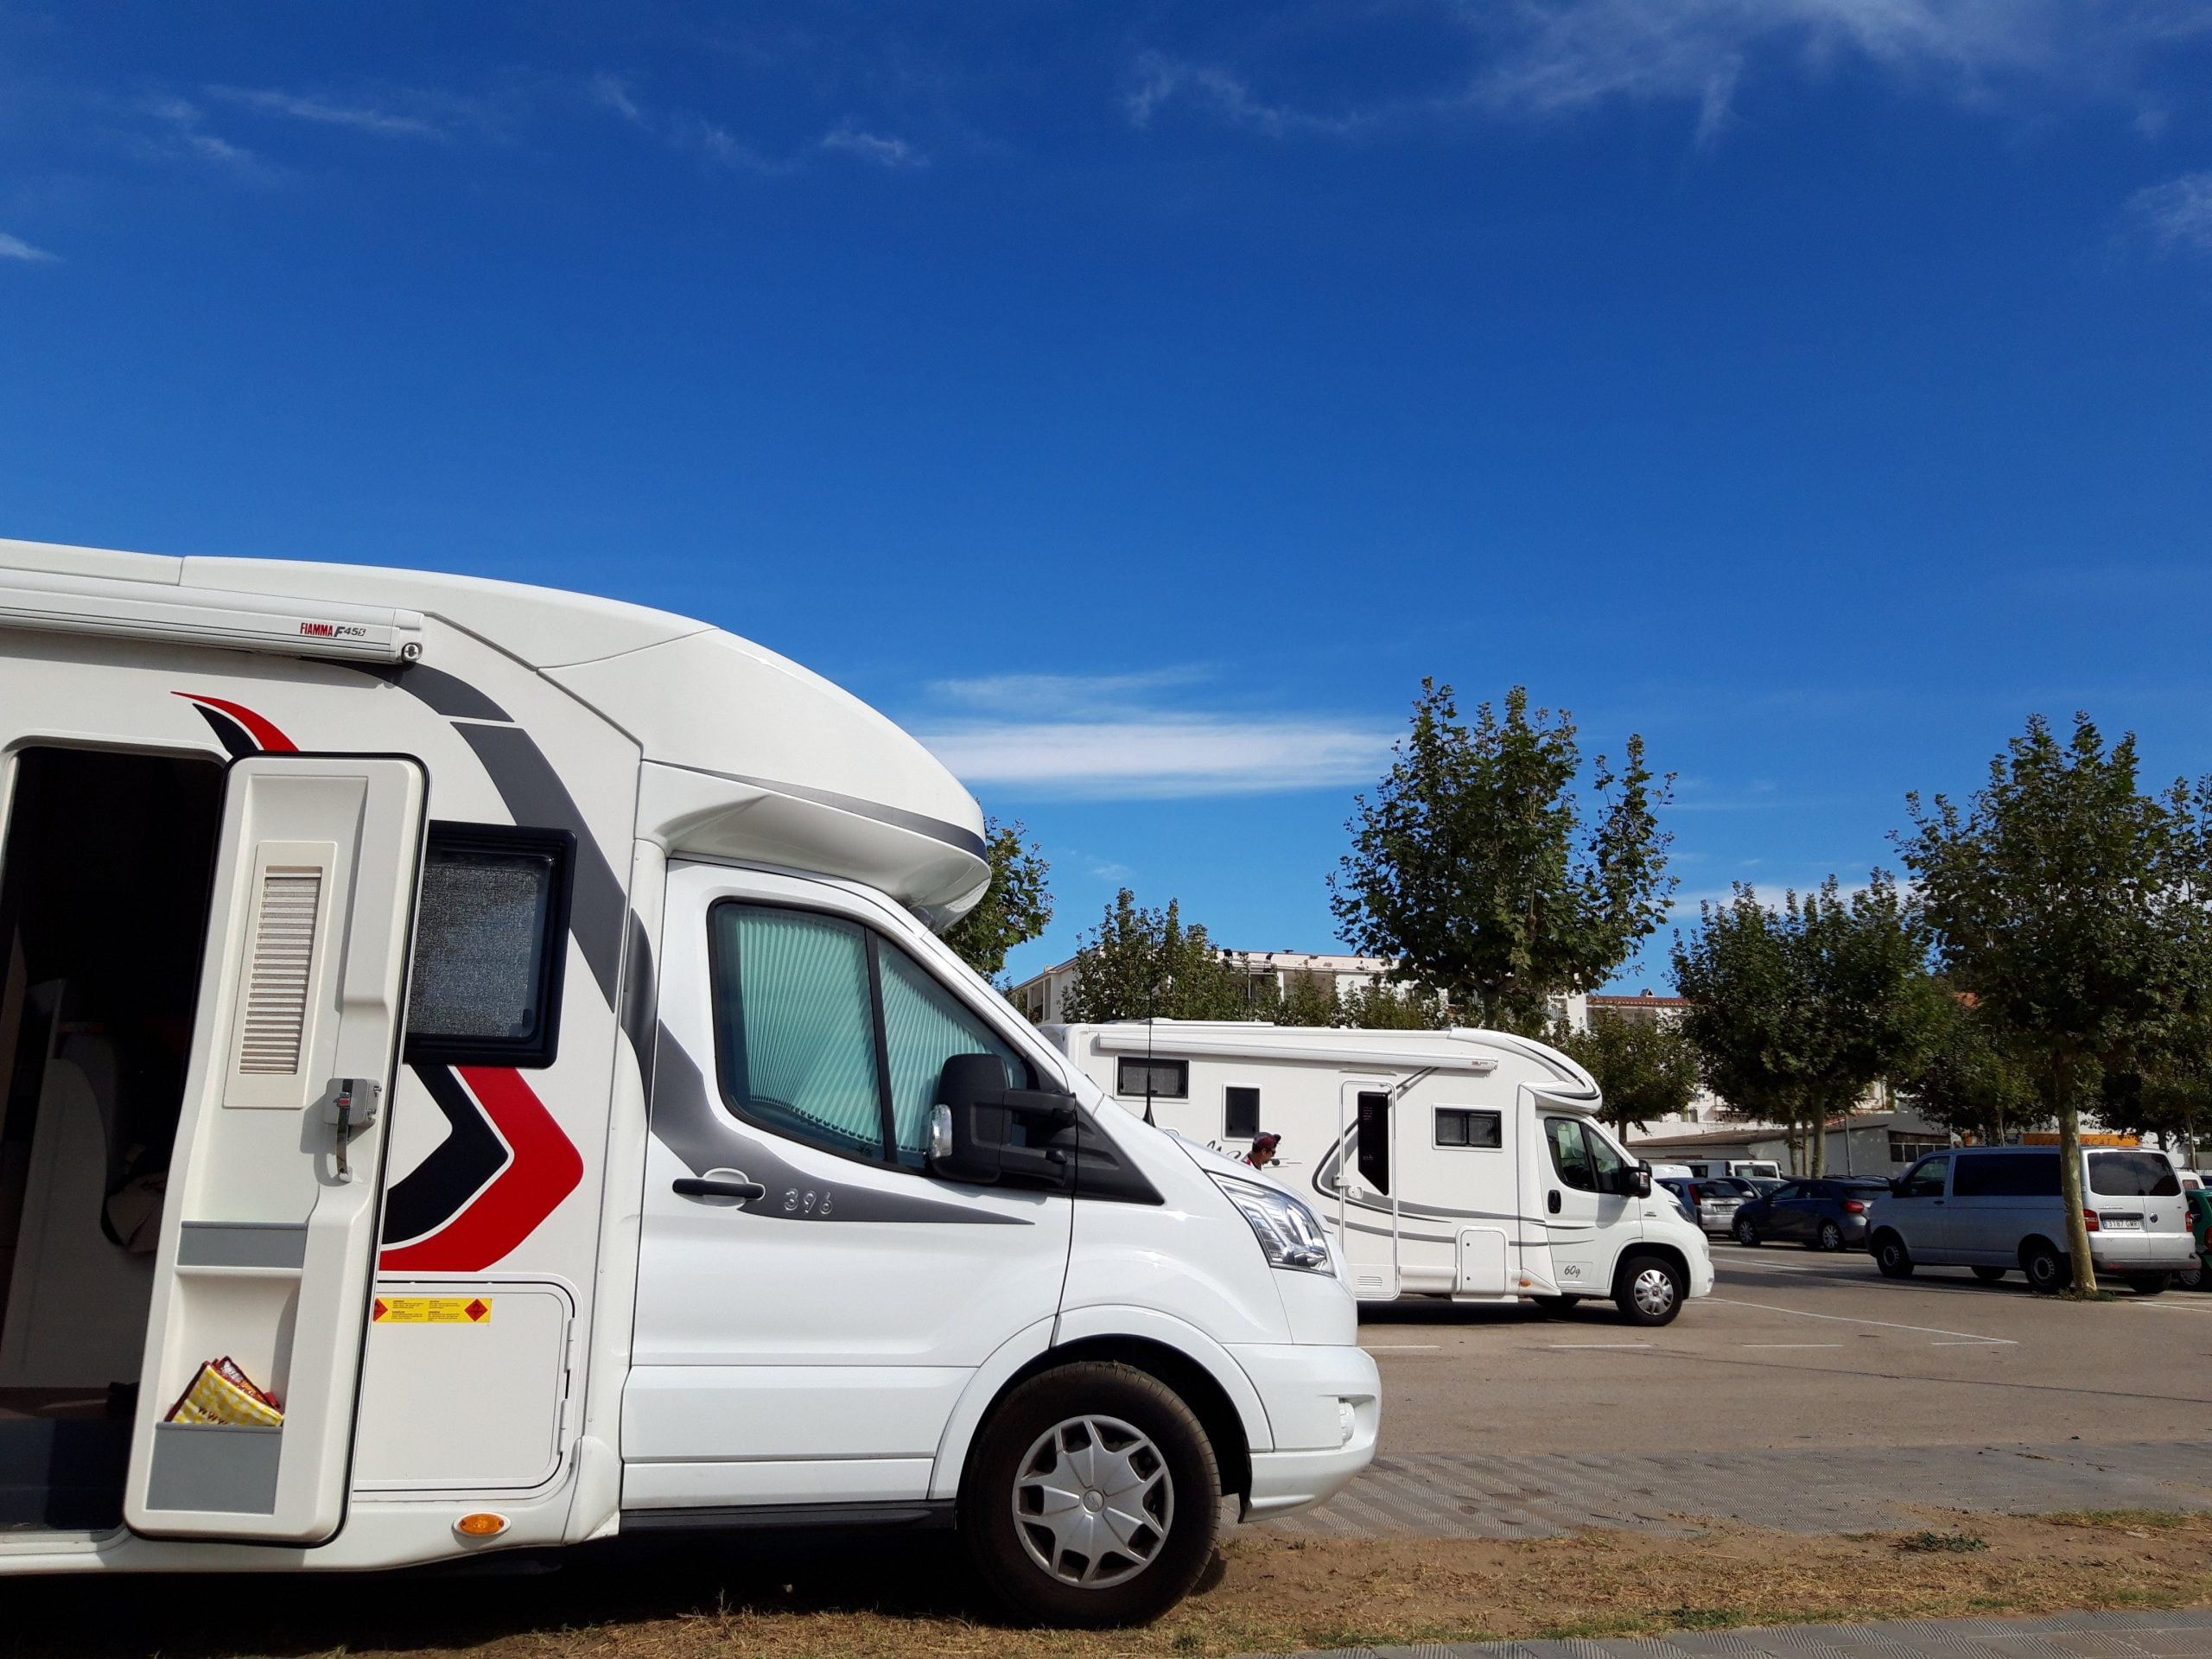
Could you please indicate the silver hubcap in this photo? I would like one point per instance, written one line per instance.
(1093, 1502)
(1653, 1290)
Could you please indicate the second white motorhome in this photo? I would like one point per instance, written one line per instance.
(1463, 1164)
(477, 1070)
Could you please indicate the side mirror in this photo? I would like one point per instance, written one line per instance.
(984, 1132)
(1635, 1181)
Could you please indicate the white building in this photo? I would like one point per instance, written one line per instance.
(1269, 973)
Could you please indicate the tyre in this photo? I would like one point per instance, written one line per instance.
(1091, 1497)
(2190, 1278)
(2048, 1271)
(1648, 1290)
(2149, 1284)
(1747, 1232)
(1554, 1304)
(1989, 1275)
(1829, 1238)
(1892, 1256)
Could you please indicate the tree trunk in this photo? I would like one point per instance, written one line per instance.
(2069, 1180)
(1817, 1158)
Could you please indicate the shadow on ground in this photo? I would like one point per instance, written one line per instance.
(443, 1609)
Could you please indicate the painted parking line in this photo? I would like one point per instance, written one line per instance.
(1403, 1347)
(1789, 1345)
(1845, 1319)
(1597, 1345)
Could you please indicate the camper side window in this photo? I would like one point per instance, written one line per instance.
(1152, 1079)
(1240, 1113)
(1459, 1126)
(491, 937)
(831, 1035)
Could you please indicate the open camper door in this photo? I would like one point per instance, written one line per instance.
(1367, 1202)
(268, 1238)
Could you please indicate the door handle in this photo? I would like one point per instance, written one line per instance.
(1551, 1201)
(699, 1186)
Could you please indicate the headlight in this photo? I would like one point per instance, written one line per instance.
(1290, 1235)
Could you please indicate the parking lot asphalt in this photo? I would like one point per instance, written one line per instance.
(1807, 1392)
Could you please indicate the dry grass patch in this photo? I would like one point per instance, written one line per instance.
(907, 1596)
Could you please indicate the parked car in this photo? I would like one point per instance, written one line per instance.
(1822, 1213)
(1713, 1203)
(2195, 1276)
(1994, 1209)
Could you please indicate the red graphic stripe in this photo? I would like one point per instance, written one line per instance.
(544, 1169)
(264, 733)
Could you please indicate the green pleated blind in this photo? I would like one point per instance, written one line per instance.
(923, 1029)
(798, 1032)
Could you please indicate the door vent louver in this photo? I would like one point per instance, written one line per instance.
(278, 982)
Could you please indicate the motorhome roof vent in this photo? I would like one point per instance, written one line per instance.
(284, 960)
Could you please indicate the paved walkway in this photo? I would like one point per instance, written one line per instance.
(2065, 1635)
(1847, 1489)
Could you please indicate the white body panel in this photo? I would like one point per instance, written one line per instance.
(548, 1331)
(1468, 1212)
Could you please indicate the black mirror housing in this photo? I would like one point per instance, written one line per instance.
(1635, 1181)
(985, 1133)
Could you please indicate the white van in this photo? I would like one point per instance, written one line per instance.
(1996, 1208)
(1463, 1164)
(477, 1069)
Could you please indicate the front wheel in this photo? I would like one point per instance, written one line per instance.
(1830, 1238)
(2190, 1278)
(1892, 1256)
(1747, 1233)
(1091, 1497)
(1648, 1290)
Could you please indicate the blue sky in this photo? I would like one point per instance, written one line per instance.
(1139, 401)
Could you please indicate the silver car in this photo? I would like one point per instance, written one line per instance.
(1996, 1209)
(1714, 1201)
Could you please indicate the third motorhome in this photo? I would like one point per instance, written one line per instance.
(477, 1070)
(1463, 1164)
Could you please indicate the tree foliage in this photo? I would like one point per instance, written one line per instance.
(1968, 1080)
(1139, 964)
(1473, 870)
(2073, 906)
(1372, 1006)
(1646, 1068)
(1796, 1009)
(1016, 907)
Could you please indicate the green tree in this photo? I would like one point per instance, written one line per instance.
(1796, 1010)
(1016, 907)
(2072, 905)
(1375, 1007)
(1309, 1002)
(1472, 869)
(1139, 964)
(1967, 1081)
(1646, 1068)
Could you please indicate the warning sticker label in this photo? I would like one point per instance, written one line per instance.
(431, 1310)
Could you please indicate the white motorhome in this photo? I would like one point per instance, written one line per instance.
(476, 1071)
(1463, 1164)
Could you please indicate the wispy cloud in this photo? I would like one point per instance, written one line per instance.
(1045, 696)
(179, 132)
(683, 130)
(1159, 81)
(14, 247)
(2176, 216)
(1162, 758)
(359, 117)
(1550, 59)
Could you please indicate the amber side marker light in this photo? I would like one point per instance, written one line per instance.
(481, 1525)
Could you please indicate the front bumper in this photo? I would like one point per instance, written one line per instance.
(1306, 1388)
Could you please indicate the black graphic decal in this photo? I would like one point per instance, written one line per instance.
(640, 1001)
(686, 1121)
(466, 1161)
(451, 697)
(232, 736)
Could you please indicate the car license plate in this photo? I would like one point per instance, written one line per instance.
(2124, 1223)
